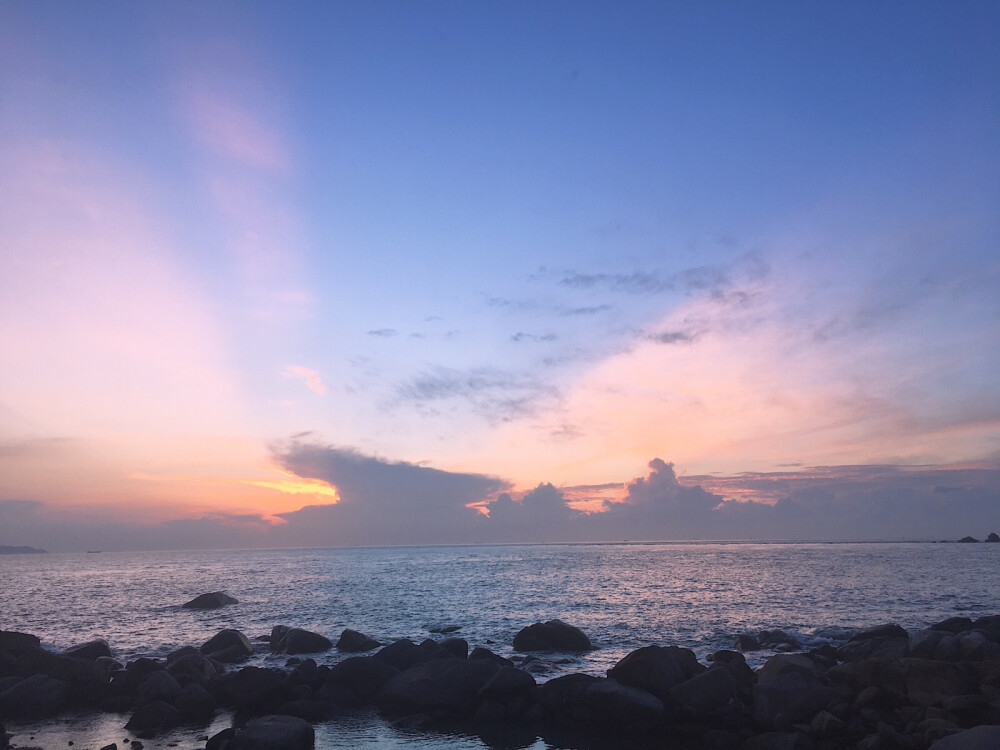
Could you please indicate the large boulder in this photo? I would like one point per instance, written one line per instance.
(401, 654)
(581, 698)
(37, 696)
(712, 692)
(257, 689)
(195, 703)
(977, 738)
(354, 642)
(213, 600)
(275, 733)
(440, 688)
(929, 682)
(356, 681)
(159, 686)
(554, 635)
(299, 641)
(790, 688)
(228, 646)
(657, 669)
(91, 650)
(154, 718)
(15, 642)
(882, 641)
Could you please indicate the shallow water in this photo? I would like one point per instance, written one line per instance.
(622, 595)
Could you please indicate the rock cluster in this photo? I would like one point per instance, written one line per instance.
(884, 689)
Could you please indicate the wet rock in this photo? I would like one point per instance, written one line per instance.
(221, 740)
(213, 600)
(309, 709)
(442, 687)
(656, 669)
(580, 698)
(484, 653)
(707, 694)
(136, 672)
(158, 686)
(190, 665)
(91, 650)
(15, 642)
(747, 642)
(508, 684)
(953, 625)
(354, 642)
(112, 746)
(257, 689)
(299, 641)
(275, 733)
(399, 654)
(37, 696)
(929, 682)
(977, 738)
(737, 665)
(154, 718)
(872, 648)
(431, 650)
(356, 681)
(195, 703)
(776, 639)
(457, 647)
(554, 635)
(228, 647)
(790, 688)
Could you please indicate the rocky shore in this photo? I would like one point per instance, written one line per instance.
(884, 689)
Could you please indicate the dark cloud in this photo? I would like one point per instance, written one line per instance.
(522, 336)
(495, 394)
(540, 516)
(585, 310)
(673, 337)
(383, 332)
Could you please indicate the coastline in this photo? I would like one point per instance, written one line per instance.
(882, 687)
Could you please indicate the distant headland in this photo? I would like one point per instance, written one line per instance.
(8, 550)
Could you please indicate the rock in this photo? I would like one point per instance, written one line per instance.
(195, 703)
(258, 689)
(191, 666)
(747, 642)
(37, 696)
(356, 681)
(309, 709)
(993, 537)
(890, 630)
(790, 688)
(430, 650)
(977, 738)
(484, 653)
(277, 633)
(354, 642)
(968, 540)
(825, 723)
(656, 669)
(159, 686)
(136, 672)
(213, 600)
(91, 650)
(953, 625)
(275, 733)
(737, 665)
(112, 746)
(298, 641)
(776, 638)
(458, 647)
(508, 684)
(400, 654)
(228, 646)
(14, 642)
(221, 740)
(443, 629)
(884, 674)
(563, 697)
(439, 688)
(154, 718)
(929, 682)
(554, 635)
(707, 694)
(876, 647)
(580, 698)
(777, 741)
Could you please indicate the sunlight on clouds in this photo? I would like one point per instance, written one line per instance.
(312, 378)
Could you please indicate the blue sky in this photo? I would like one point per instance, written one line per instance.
(530, 242)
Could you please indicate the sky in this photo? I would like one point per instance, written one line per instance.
(310, 273)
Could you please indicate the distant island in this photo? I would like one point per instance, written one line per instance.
(8, 550)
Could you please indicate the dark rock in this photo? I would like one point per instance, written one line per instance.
(136, 672)
(977, 738)
(876, 647)
(112, 746)
(195, 703)
(968, 540)
(356, 681)
(308, 673)
(190, 665)
(431, 650)
(580, 698)
(554, 635)
(91, 650)
(563, 697)
(441, 688)
(400, 654)
(953, 625)
(154, 718)
(354, 642)
(884, 674)
(277, 633)
(221, 740)
(507, 684)
(228, 646)
(737, 665)
(929, 682)
(776, 638)
(443, 629)
(299, 641)
(309, 709)
(275, 733)
(257, 688)
(656, 669)
(37, 696)
(484, 653)
(993, 537)
(14, 642)
(458, 647)
(889, 630)
(790, 688)
(213, 600)
(707, 694)
(747, 642)
(777, 741)
(158, 686)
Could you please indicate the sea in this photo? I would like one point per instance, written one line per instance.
(623, 596)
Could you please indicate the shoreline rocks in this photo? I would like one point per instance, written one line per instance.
(883, 688)
(213, 600)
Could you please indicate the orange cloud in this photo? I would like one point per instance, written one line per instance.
(312, 378)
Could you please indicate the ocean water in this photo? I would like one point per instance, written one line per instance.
(623, 596)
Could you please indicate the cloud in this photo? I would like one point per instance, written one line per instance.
(495, 394)
(522, 336)
(383, 332)
(312, 378)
